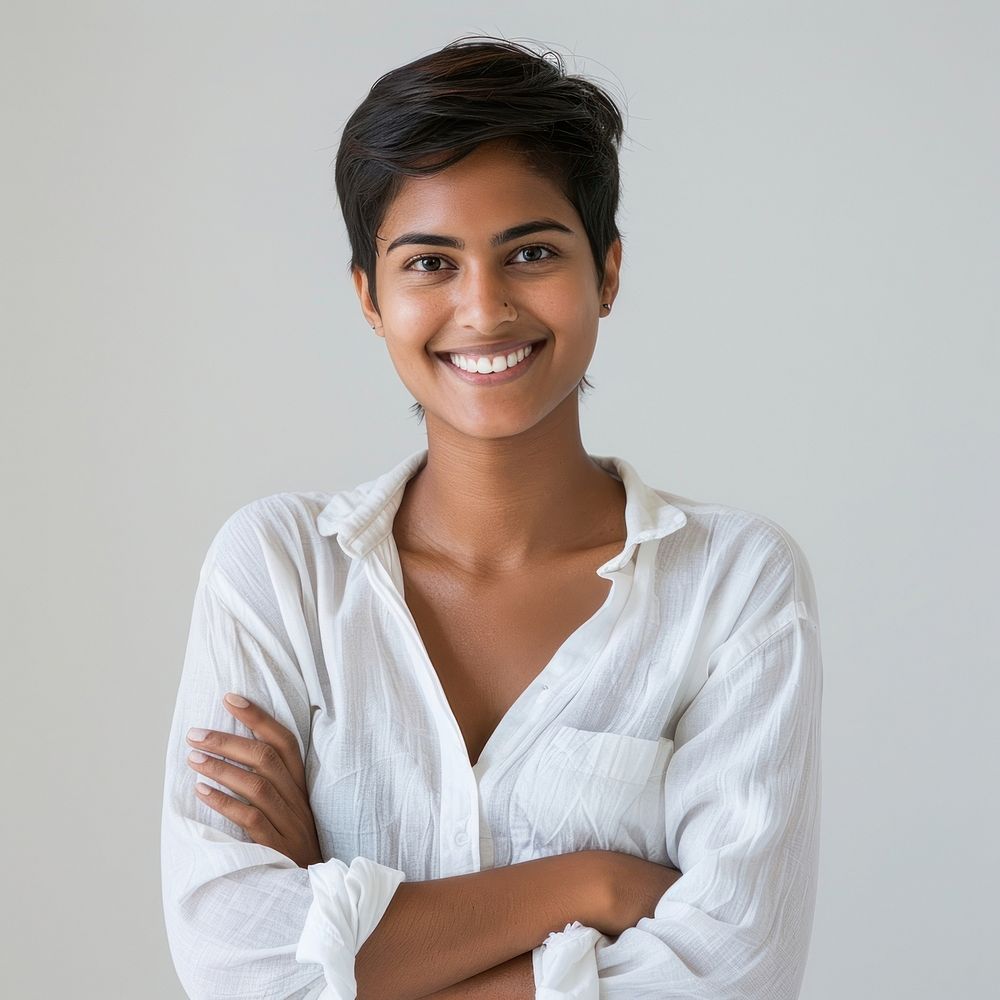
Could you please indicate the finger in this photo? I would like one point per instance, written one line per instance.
(247, 817)
(260, 758)
(244, 749)
(267, 728)
(258, 791)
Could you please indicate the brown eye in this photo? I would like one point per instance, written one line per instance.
(426, 257)
(535, 248)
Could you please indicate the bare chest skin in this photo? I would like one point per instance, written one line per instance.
(488, 639)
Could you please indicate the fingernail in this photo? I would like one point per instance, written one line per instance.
(197, 757)
(237, 700)
(197, 734)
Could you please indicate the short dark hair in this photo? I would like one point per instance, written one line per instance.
(420, 118)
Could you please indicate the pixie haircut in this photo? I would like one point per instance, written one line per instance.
(425, 116)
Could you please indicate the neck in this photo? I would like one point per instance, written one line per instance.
(494, 505)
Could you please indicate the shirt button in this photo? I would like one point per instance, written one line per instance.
(461, 838)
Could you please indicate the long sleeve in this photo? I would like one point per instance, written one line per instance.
(242, 919)
(742, 794)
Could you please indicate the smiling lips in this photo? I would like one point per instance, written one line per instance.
(492, 363)
(495, 368)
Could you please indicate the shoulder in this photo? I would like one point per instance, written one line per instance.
(265, 543)
(744, 535)
(281, 519)
(751, 560)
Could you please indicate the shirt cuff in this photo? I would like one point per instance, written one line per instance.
(565, 964)
(348, 903)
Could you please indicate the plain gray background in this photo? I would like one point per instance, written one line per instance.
(807, 327)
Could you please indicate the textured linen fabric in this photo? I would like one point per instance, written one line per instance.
(565, 965)
(680, 724)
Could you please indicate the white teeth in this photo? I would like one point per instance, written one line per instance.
(485, 366)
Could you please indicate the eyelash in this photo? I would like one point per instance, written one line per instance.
(435, 256)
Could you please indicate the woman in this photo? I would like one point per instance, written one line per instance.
(501, 697)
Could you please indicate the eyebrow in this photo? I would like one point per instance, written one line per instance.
(496, 240)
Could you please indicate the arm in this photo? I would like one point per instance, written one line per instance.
(277, 813)
(445, 931)
(742, 818)
(244, 920)
(635, 887)
(238, 913)
(513, 980)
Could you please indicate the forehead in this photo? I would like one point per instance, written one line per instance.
(488, 189)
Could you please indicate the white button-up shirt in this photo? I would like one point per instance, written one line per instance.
(680, 724)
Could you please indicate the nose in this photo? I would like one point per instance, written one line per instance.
(482, 303)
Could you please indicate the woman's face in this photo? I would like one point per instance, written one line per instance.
(453, 276)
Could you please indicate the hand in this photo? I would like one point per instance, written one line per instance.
(279, 814)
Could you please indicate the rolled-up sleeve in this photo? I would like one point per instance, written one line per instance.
(243, 920)
(742, 794)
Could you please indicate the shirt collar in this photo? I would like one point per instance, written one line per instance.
(362, 517)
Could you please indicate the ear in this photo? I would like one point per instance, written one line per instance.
(612, 269)
(372, 317)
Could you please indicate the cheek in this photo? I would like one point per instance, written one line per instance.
(415, 315)
(573, 320)
(566, 304)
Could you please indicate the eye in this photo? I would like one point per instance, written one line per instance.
(535, 247)
(423, 257)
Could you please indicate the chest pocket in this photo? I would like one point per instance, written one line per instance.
(584, 790)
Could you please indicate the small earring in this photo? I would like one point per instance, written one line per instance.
(606, 305)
